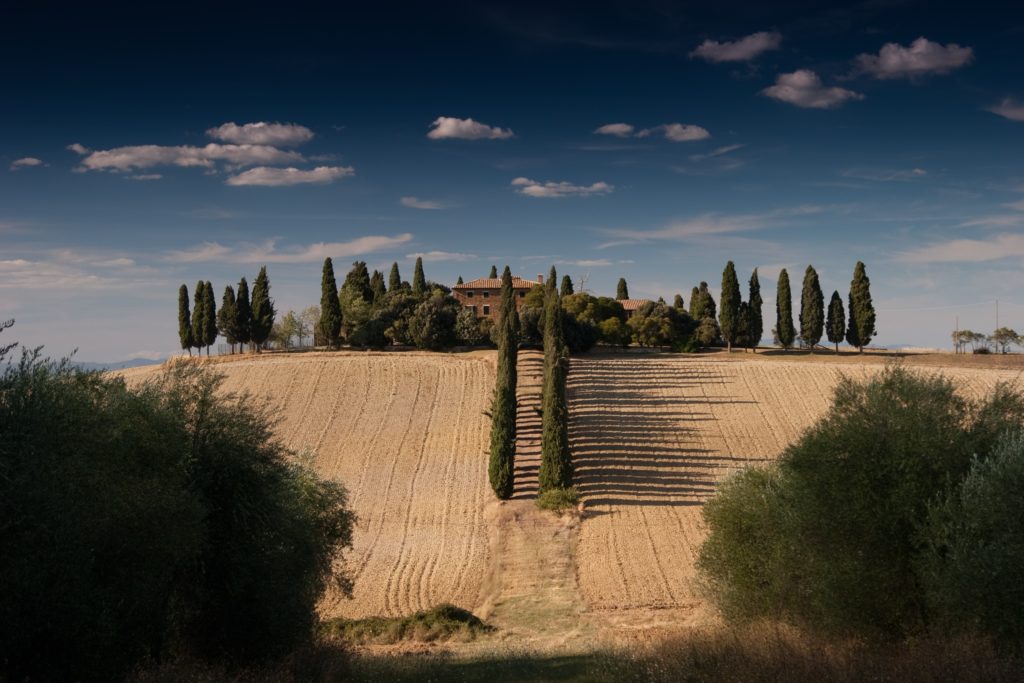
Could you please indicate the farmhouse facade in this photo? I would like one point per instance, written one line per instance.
(483, 295)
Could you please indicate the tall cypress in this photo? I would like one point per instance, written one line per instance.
(694, 303)
(567, 287)
(621, 290)
(503, 410)
(555, 463)
(330, 307)
(784, 331)
(394, 279)
(357, 282)
(677, 303)
(861, 313)
(184, 320)
(243, 315)
(199, 317)
(419, 281)
(755, 323)
(459, 281)
(729, 310)
(377, 286)
(835, 326)
(262, 309)
(210, 321)
(812, 309)
(227, 317)
(494, 273)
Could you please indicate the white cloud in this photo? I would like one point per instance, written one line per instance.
(78, 149)
(677, 132)
(533, 188)
(264, 176)
(803, 88)
(147, 176)
(968, 250)
(588, 263)
(441, 256)
(741, 50)
(1004, 221)
(1009, 109)
(885, 175)
(1016, 206)
(268, 252)
(25, 162)
(426, 204)
(147, 156)
(262, 133)
(920, 58)
(715, 152)
(709, 225)
(621, 130)
(448, 127)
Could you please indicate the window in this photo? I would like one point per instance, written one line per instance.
(469, 295)
(487, 310)
(472, 308)
(486, 295)
(522, 295)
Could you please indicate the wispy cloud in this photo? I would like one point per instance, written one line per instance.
(592, 262)
(425, 204)
(676, 132)
(803, 88)
(741, 50)
(25, 162)
(1009, 109)
(968, 250)
(147, 156)
(269, 252)
(146, 176)
(621, 130)
(707, 225)
(554, 190)
(885, 175)
(715, 152)
(448, 127)
(920, 58)
(265, 176)
(441, 256)
(262, 133)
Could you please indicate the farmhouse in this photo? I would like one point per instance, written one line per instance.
(633, 305)
(483, 295)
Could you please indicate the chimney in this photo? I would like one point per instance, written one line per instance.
(540, 279)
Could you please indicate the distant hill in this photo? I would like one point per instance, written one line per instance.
(116, 365)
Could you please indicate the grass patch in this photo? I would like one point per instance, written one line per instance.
(441, 623)
(559, 500)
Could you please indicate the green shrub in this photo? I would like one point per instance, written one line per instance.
(559, 499)
(441, 623)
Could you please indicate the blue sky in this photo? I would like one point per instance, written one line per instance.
(647, 140)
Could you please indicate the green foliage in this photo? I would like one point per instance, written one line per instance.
(784, 331)
(556, 462)
(262, 309)
(468, 329)
(657, 324)
(199, 316)
(184, 320)
(861, 313)
(210, 317)
(419, 282)
(394, 278)
(357, 283)
(677, 303)
(432, 324)
(329, 325)
(755, 321)
(494, 273)
(243, 309)
(153, 522)
(706, 333)
(566, 289)
(621, 290)
(559, 499)
(835, 325)
(1004, 337)
(812, 309)
(531, 316)
(729, 310)
(615, 332)
(503, 408)
(377, 286)
(702, 304)
(438, 624)
(831, 540)
(227, 317)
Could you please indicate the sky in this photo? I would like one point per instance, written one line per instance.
(146, 147)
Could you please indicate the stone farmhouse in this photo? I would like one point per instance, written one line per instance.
(483, 295)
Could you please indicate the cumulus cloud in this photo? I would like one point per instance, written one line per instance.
(803, 88)
(268, 252)
(448, 127)
(715, 152)
(265, 176)
(146, 156)
(78, 148)
(741, 50)
(677, 132)
(968, 250)
(262, 133)
(441, 256)
(25, 162)
(551, 190)
(1009, 109)
(920, 58)
(425, 204)
(621, 130)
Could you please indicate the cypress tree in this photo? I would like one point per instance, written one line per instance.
(503, 410)
(555, 463)
(243, 314)
(394, 279)
(677, 303)
(357, 282)
(330, 307)
(459, 281)
(729, 310)
(210, 321)
(567, 287)
(184, 320)
(199, 317)
(812, 309)
(861, 313)
(377, 286)
(694, 305)
(262, 309)
(755, 323)
(835, 326)
(784, 331)
(621, 290)
(494, 273)
(419, 282)
(227, 317)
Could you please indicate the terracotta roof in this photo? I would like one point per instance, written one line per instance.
(495, 283)
(633, 304)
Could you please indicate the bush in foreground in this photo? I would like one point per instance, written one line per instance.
(441, 623)
(559, 499)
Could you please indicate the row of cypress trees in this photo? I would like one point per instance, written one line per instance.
(555, 464)
(239, 320)
(503, 406)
